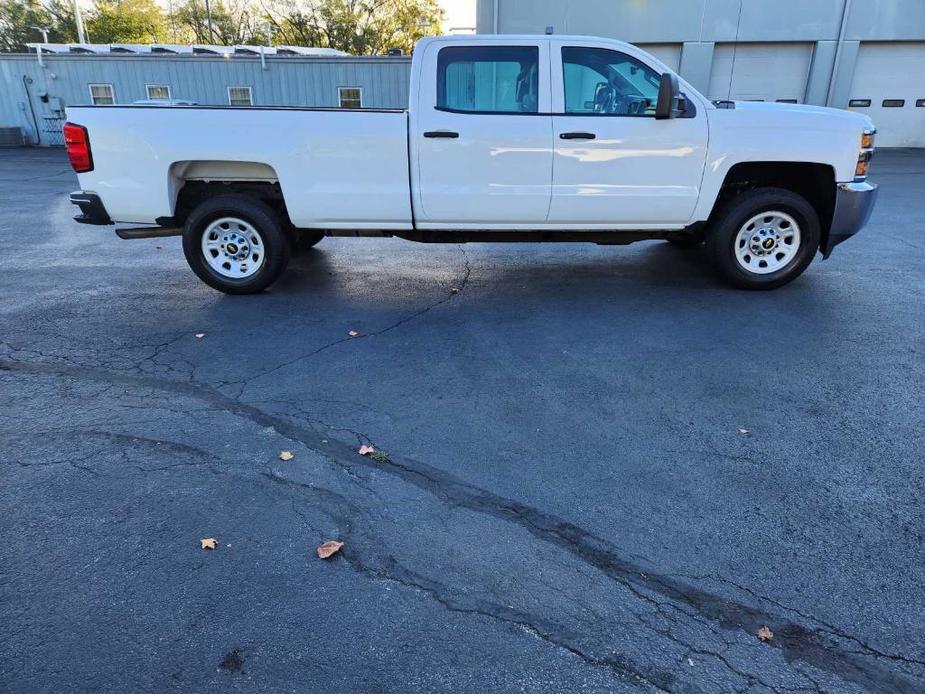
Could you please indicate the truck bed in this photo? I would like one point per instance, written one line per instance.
(337, 168)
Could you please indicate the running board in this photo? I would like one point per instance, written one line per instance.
(148, 232)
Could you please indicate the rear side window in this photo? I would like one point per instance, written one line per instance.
(488, 79)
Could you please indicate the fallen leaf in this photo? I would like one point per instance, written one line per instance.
(353, 333)
(765, 634)
(329, 549)
(208, 543)
(199, 336)
(455, 290)
(286, 455)
(366, 450)
(743, 430)
(690, 662)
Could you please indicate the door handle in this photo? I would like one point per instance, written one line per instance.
(577, 136)
(449, 134)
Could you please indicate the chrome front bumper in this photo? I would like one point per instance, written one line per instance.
(853, 204)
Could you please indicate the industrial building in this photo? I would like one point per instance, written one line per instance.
(866, 55)
(33, 94)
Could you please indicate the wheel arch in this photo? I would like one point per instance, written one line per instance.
(813, 181)
(191, 182)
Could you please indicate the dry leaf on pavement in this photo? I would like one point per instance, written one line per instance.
(743, 430)
(353, 333)
(366, 450)
(208, 543)
(765, 634)
(329, 549)
(286, 455)
(199, 336)
(455, 290)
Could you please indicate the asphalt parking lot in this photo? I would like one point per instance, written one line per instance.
(604, 470)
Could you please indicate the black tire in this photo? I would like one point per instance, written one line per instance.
(276, 243)
(305, 239)
(730, 218)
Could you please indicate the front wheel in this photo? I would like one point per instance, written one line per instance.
(236, 244)
(764, 238)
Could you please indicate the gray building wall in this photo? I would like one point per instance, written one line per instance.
(698, 25)
(287, 81)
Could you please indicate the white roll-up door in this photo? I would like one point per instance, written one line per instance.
(668, 53)
(760, 71)
(889, 86)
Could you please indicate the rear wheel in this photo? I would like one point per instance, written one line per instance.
(764, 238)
(235, 244)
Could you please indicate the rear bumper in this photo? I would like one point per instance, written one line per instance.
(853, 204)
(91, 208)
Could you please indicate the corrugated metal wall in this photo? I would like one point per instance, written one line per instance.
(30, 94)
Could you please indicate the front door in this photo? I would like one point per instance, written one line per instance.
(615, 164)
(483, 135)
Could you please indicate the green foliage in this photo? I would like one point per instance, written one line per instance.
(126, 21)
(360, 27)
(232, 23)
(17, 17)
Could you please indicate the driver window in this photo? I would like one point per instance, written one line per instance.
(604, 82)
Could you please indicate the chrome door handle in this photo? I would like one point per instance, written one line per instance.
(577, 136)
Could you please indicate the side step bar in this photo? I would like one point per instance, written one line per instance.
(148, 232)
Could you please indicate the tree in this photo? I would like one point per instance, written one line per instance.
(18, 17)
(126, 21)
(232, 22)
(360, 27)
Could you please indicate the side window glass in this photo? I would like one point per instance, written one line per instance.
(601, 81)
(492, 79)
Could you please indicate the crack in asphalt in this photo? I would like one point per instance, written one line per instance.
(797, 643)
(375, 333)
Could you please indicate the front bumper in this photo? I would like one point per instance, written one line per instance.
(91, 208)
(853, 204)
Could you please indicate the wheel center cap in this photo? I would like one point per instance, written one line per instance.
(232, 247)
(768, 244)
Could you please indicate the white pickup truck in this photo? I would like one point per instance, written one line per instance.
(507, 138)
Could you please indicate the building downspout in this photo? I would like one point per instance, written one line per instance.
(846, 11)
(494, 5)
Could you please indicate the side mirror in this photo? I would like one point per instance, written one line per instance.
(670, 103)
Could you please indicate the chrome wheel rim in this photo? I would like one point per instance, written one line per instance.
(767, 242)
(233, 248)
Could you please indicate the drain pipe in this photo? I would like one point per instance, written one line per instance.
(495, 8)
(846, 11)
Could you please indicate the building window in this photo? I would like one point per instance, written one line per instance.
(240, 96)
(920, 103)
(158, 92)
(350, 97)
(859, 103)
(893, 103)
(102, 94)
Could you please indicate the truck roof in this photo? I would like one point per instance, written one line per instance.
(470, 38)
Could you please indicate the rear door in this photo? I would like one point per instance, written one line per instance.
(615, 165)
(482, 149)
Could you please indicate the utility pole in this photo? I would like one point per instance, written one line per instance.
(81, 37)
(209, 22)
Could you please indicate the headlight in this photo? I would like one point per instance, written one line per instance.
(867, 151)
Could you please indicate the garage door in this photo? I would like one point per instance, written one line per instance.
(760, 71)
(889, 86)
(668, 53)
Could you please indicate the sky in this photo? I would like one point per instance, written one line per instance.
(459, 13)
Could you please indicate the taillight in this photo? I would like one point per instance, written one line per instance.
(78, 147)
